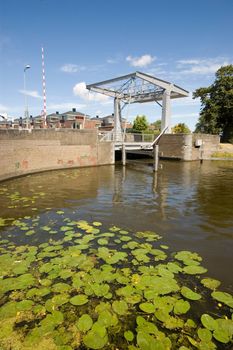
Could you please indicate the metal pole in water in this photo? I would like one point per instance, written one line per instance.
(123, 155)
(156, 158)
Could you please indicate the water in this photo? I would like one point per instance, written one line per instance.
(189, 204)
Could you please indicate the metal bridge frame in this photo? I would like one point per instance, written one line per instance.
(139, 88)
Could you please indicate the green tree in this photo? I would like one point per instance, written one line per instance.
(140, 123)
(181, 128)
(157, 125)
(216, 116)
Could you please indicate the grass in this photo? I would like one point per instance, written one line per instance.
(220, 154)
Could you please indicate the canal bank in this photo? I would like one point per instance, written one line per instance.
(24, 152)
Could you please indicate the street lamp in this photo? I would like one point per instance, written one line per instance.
(26, 114)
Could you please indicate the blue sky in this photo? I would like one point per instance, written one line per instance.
(183, 42)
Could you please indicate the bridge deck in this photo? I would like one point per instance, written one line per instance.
(133, 146)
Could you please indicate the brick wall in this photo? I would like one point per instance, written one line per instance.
(23, 152)
(184, 147)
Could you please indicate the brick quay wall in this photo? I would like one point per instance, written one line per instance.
(24, 152)
(188, 147)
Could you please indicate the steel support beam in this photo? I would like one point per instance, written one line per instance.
(166, 111)
(155, 81)
(106, 92)
(117, 131)
(109, 81)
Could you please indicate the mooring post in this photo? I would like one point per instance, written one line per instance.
(123, 155)
(156, 157)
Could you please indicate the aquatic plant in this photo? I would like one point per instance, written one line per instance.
(106, 288)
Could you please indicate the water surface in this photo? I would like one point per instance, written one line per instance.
(189, 204)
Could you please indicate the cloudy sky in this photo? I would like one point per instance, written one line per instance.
(183, 42)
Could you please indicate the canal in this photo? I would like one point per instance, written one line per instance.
(190, 205)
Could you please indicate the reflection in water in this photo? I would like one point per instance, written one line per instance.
(190, 204)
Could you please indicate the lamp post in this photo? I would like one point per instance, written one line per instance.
(25, 96)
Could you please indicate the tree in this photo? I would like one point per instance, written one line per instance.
(140, 123)
(157, 125)
(181, 128)
(216, 116)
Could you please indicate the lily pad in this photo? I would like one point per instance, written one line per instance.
(188, 258)
(40, 292)
(102, 241)
(129, 336)
(181, 307)
(60, 287)
(80, 299)
(107, 319)
(210, 283)
(97, 223)
(204, 334)
(84, 323)
(94, 341)
(223, 297)
(194, 270)
(189, 294)
(209, 322)
(147, 307)
(120, 307)
(224, 332)
(22, 282)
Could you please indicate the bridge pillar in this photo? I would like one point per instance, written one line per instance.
(156, 158)
(166, 111)
(123, 155)
(117, 131)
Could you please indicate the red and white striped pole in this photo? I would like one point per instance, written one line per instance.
(44, 90)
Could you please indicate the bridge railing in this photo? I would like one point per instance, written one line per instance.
(127, 137)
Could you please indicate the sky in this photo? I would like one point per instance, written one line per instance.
(183, 42)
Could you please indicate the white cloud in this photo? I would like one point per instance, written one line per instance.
(81, 91)
(201, 66)
(65, 106)
(31, 93)
(141, 61)
(72, 68)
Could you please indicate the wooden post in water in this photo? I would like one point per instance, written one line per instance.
(123, 155)
(156, 158)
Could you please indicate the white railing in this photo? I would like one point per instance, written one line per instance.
(156, 140)
(110, 136)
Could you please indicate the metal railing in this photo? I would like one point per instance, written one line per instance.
(110, 136)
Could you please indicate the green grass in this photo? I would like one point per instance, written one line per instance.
(222, 155)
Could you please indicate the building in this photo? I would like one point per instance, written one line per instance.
(93, 123)
(72, 119)
(108, 123)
